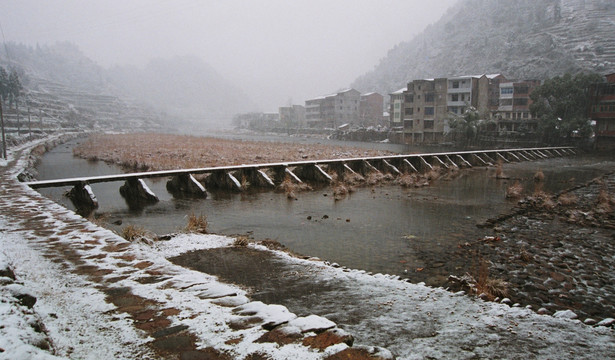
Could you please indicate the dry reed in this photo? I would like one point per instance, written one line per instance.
(165, 152)
(197, 224)
(514, 191)
(133, 232)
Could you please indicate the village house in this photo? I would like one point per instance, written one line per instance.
(602, 111)
(425, 106)
(292, 117)
(332, 111)
(513, 112)
(371, 108)
(425, 111)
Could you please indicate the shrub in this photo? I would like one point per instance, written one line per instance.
(567, 199)
(241, 241)
(491, 287)
(197, 224)
(515, 190)
(340, 191)
(133, 232)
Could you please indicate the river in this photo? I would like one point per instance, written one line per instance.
(412, 232)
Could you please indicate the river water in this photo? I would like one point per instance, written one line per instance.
(413, 232)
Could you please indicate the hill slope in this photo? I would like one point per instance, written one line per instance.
(182, 87)
(521, 39)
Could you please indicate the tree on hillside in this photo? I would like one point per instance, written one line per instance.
(561, 105)
(15, 87)
(4, 84)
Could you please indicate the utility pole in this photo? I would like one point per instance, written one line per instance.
(18, 124)
(29, 124)
(3, 135)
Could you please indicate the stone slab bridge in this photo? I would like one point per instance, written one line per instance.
(237, 177)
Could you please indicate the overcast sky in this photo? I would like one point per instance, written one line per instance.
(276, 50)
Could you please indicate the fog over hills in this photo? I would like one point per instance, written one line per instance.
(183, 87)
(522, 39)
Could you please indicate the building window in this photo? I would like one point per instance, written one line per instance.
(429, 110)
(455, 97)
(520, 101)
(455, 84)
(410, 98)
(506, 91)
(409, 111)
(428, 124)
(429, 97)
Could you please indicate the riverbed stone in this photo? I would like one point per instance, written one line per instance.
(565, 314)
(608, 322)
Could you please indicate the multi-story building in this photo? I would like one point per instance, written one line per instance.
(396, 108)
(462, 92)
(331, 111)
(371, 108)
(425, 111)
(513, 112)
(292, 116)
(602, 111)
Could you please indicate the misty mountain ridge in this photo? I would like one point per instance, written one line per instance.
(184, 87)
(521, 39)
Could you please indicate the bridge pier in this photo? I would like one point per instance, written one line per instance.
(281, 173)
(314, 172)
(223, 180)
(186, 184)
(407, 165)
(254, 177)
(137, 193)
(83, 198)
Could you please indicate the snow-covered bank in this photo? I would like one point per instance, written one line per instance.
(100, 296)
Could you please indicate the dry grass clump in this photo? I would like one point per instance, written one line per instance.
(353, 179)
(514, 191)
(197, 224)
(604, 201)
(340, 191)
(434, 173)
(407, 180)
(499, 172)
(134, 232)
(376, 177)
(491, 287)
(241, 241)
(451, 173)
(567, 199)
(164, 151)
(289, 188)
(539, 176)
(542, 200)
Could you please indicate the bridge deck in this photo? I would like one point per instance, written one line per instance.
(171, 173)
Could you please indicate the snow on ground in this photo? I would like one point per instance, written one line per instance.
(413, 321)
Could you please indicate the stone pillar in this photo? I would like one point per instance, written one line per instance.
(186, 184)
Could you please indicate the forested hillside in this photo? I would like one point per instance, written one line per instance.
(522, 39)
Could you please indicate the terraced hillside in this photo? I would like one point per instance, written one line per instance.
(524, 39)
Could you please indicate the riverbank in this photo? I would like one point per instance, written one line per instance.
(523, 258)
(124, 292)
(555, 251)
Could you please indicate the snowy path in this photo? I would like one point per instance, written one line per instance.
(100, 296)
